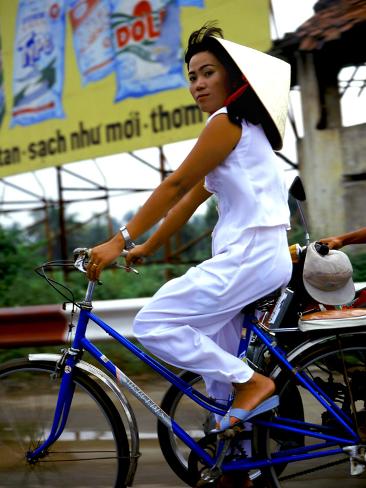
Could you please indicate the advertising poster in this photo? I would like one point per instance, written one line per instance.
(92, 38)
(38, 62)
(81, 79)
(2, 94)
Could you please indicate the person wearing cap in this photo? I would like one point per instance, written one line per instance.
(194, 321)
(357, 236)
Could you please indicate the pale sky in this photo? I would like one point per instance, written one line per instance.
(289, 14)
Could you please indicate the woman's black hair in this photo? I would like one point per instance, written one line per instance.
(203, 39)
(247, 106)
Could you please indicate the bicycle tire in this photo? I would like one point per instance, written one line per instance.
(193, 418)
(94, 435)
(323, 361)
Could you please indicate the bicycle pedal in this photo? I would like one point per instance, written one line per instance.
(209, 477)
(357, 459)
(356, 467)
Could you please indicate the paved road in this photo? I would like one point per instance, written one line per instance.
(153, 471)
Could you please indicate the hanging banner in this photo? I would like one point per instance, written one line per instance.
(81, 79)
(2, 94)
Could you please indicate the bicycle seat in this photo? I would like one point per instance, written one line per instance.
(333, 319)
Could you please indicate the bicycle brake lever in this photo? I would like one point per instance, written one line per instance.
(79, 263)
(127, 268)
(124, 253)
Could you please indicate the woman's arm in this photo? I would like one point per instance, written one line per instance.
(215, 143)
(336, 242)
(177, 217)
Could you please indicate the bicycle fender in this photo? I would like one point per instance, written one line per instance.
(123, 401)
(308, 344)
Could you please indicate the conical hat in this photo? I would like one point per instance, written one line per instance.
(269, 77)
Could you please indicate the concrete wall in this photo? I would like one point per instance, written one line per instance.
(332, 161)
(320, 161)
(354, 175)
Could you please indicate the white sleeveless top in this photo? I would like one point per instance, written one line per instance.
(249, 186)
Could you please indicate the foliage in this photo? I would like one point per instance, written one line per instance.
(358, 261)
(17, 260)
(21, 251)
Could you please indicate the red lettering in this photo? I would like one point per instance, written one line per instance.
(123, 36)
(138, 30)
(151, 28)
(81, 11)
(143, 27)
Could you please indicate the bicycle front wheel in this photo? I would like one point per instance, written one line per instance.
(338, 366)
(93, 449)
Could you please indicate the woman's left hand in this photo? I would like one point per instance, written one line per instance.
(136, 255)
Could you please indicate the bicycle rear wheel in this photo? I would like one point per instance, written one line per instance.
(93, 449)
(197, 422)
(335, 364)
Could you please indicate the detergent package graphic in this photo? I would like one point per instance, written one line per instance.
(38, 61)
(147, 44)
(90, 23)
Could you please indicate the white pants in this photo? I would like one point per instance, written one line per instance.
(194, 322)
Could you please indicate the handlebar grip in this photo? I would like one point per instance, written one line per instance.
(321, 248)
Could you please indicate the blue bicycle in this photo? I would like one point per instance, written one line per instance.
(60, 414)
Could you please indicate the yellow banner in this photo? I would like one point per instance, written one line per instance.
(90, 122)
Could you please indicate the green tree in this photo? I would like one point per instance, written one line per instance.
(17, 260)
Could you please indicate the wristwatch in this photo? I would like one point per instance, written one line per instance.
(129, 244)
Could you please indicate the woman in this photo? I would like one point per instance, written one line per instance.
(194, 321)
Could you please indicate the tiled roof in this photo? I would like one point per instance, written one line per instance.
(331, 19)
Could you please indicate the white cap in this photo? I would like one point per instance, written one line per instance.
(328, 279)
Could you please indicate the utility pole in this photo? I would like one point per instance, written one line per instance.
(61, 215)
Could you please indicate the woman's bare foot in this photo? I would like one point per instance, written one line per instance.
(250, 394)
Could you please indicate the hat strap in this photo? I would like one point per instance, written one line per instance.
(234, 96)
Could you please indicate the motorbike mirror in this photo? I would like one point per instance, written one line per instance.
(297, 190)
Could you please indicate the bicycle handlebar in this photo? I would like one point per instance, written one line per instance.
(81, 259)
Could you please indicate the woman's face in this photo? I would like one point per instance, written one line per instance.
(209, 80)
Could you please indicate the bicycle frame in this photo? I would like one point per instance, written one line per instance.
(251, 325)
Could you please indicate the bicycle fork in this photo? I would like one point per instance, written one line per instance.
(65, 367)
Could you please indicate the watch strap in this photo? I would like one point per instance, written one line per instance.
(129, 244)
